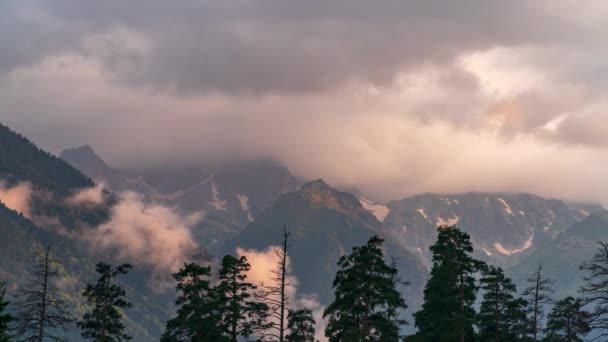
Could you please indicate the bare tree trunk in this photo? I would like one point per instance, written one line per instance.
(45, 282)
(461, 299)
(283, 262)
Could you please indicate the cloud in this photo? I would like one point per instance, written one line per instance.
(263, 263)
(17, 197)
(88, 196)
(261, 47)
(146, 234)
(393, 98)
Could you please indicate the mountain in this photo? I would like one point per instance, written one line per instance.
(562, 257)
(230, 196)
(45, 186)
(21, 160)
(502, 226)
(324, 224)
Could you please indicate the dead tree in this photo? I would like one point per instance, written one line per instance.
(41, 310)
(275, 295)
(538, 295)
(595, 289)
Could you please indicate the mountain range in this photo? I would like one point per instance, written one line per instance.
(245, 205)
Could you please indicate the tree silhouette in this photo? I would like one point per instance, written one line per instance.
(239, 314)
(500, 314)
(301, 326)
(366, 297)
(447, 313)
(595, 289)
(567, 322)
(41, 309)
(197, 317)
(5, 318)
(104, 322)
(274, 295)
(538, 294)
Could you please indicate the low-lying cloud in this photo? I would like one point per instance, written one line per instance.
(88, 196)
(146, 234)
(17, 197)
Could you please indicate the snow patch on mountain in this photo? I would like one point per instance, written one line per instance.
(379, 210)
(488, 253)
(216, 202)
(244, 201)
(584, 212)
(506, 205)
(421, 211)
(450, 201)
(505, 251)
(449, 222)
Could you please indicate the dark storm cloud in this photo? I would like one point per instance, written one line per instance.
(275, 46)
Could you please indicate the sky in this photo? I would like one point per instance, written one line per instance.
(391, 97)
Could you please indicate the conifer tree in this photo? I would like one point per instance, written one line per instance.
(301, 326)
(41, 311)
(104, 322)
(538, 295)
(366, 301)
(519, 324)
(5, 318)
(197, 318)
(240, 315)
(595, 289)
(567, 322)
(500, 314)
(447, 314)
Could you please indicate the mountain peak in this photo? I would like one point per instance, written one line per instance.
(321, 195)
(83, 157)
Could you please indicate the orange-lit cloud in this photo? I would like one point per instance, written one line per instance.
(146, 234)
(17, 197)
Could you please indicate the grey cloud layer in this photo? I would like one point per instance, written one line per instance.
(395, 97)
(252, 47)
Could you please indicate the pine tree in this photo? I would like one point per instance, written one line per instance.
(595, 289)
(104, 322)
(301, 326)
(538, 295)
(519, 324)
(275, 294)
(366, 301)
(500, 314)
(5, 318)
(447, 314)
(41, 309)
(567, 322)
(197, 317)
(239, 314)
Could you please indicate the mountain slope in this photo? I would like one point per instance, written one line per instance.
(46, 185)
(324, 224)
(231, 196)
(502, 226)
(562, 257)
(21, 160)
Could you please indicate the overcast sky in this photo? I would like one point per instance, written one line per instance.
(393, 97)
